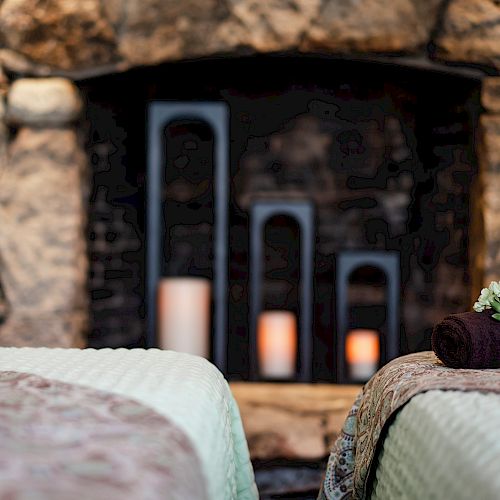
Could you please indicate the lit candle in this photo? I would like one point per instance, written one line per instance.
(184, 315)
(362, 353)
(277, 344)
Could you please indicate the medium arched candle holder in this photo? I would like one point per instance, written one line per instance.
(303, 213)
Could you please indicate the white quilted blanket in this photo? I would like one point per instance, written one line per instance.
(186, 389)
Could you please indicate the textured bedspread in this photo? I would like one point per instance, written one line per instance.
(350, 463)
(442, 445)
(187, 393)
(62, 441)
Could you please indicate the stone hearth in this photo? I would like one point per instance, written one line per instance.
(48, 45)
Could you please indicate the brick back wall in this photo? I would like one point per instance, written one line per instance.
(387, 168)
(388, 165)
(115, 235)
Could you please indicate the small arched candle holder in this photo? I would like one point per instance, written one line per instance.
(359, 345)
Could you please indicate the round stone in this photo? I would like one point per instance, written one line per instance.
(43, 101)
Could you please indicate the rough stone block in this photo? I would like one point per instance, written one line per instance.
(55, 329)
(42, 234)
(489, 151)
(470, 32)
(372, 25)
(490, 94)
(491, 218)
(43, 101)
(485, 238)
(63, 34)
(292, 421)
(265, 26)
(98, 36)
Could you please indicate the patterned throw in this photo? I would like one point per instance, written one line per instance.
(60, 441)
(349, 467)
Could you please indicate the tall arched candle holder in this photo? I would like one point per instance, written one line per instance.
(216, 116)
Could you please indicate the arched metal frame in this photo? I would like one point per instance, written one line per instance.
(347, 262)
(216, 116)
(303, 213)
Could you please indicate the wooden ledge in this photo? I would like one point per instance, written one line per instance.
(292, 421)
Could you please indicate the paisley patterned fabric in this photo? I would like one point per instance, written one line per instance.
(63, 441)
(349, 466)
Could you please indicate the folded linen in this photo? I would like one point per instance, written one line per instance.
(468, 340)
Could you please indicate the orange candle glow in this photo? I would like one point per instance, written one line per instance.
(184, 315)
(362, 353)
(277, 344)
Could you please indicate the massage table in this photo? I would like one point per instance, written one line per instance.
(420, 430)
(128, 424)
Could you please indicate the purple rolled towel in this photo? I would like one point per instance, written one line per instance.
(468, 340)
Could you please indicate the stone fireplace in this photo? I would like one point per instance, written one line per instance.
(386, 115)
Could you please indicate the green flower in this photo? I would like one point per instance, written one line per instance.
(489, 299)
(495, 289)
(478, 307)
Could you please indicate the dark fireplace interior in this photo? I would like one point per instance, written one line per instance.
(384, 151)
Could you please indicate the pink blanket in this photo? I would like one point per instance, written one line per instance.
(62, 441)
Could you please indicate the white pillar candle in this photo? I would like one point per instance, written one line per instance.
(362, 353)
(184, 315)
(277, 344)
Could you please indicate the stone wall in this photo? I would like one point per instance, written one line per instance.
(43, 216)
(43, 262)
(75, 38)
(486, 226)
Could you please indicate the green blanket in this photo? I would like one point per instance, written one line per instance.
(442, 445)
(187, 390)
(349, 471)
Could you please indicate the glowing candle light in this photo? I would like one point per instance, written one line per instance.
(362, 353)
(184, 315)
(277, 344)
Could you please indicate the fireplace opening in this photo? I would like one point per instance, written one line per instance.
(383, 151)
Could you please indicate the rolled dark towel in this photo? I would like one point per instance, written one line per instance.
(468, 340)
